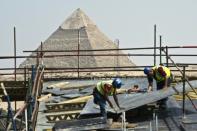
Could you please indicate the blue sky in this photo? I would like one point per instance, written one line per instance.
(130, 21)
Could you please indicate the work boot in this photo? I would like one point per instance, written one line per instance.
(104, 114)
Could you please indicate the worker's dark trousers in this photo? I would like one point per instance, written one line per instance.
(160, 86)
(99, 100)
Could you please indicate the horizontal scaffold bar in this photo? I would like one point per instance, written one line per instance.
(141, 48)
(107, 55)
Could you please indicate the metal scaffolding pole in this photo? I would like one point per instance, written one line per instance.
(15, 53)
(155, 43)
(124, 128)
(140, 48)
(160, 43)
(184, 92)
(78, 47)
(116, 61)
(15, 103)
(167, 56)
(41, 54)
(68, 55)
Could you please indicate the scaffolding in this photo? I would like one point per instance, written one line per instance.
(35, 75)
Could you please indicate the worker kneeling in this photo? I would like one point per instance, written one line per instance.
(163, 78)
(104, 89)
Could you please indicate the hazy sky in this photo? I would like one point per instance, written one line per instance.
(131, 21)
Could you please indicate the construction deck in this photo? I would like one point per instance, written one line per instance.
(56, 110)
(82, 124)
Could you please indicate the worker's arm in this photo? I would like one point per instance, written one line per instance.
(166, 83)
(150, 87)
(107, 99)
(150, 83)
(106, 96)
(115, 98)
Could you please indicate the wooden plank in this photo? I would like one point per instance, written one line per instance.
(71, 96)
(78, 86)
(77, 100)
(55, 92)
(63, 112)
(59, 116)
(83, 99)
(120, 91)
(45, 97)
(115, 125)
(83, 124)
(58, 85)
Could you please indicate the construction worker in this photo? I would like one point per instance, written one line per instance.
(104, 89)
(163, 78)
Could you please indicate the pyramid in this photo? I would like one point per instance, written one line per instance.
(79, 28)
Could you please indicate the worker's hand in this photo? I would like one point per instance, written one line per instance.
(149, 89)
(111, 105)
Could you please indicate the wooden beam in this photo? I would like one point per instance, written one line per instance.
(77, 100)
(80, 99)
(59, 116)
(65, 107)
(119, 125)
(78, 86)
(58, 85)
(83, 124)
(45, 97)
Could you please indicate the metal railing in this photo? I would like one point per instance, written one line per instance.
(36, 86)
(184, 79)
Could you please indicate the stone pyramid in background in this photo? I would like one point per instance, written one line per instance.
(78, 27)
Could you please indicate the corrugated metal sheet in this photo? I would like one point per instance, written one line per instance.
(134, 100)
